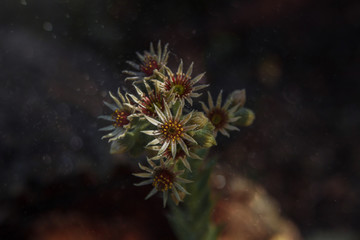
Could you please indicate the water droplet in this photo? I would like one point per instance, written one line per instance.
(23, 2)
(47, 26)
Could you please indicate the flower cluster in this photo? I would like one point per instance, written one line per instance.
(158, 119)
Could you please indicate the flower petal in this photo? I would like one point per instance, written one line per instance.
(161, 114)
(176, 194)
(183, 146)
(181, 188)
(107, 117)
(164, 147)
(108, 128)
(189, 71)
(153, 142)
(146, 182)
(210, 101)
(186, 118)
(190, 127)
(186, 163)
(219, 98)
(143, 175)
(173, 149)
(224, 132)
(118, 103)
(183, 180)
(152, 120)
(145, 168)
(230, 127)
(165, 197)
(151, 193)
(151, 132)
(197, 78)
(179, 112)
(204, 107)
(190, 139)
(111, 106)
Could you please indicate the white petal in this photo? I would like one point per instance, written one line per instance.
(189, 71)
(190, 127)
(107, 117)
(111, 106)
(186, 118)
(210, 101)
(180, 68)
(135, 99)
(219, 98)
(181, 188)
(151, 163)
(153, 142)
(108, 128)
(197, 78)
(230, 127)
(190, 101)
(167, 111)
(186, 163)
(160, 114)
(234, 108)
(139, 92)
(134, 65)
(153, 121)
(152, 193)
(146, 182)
(141, 57)
(151, 132)
(176, 194)
(179, 112)
(113, 133)
(234, 119)
(204, 107)
(142, 175)
(165, 197)
(164, 147)
(224, 132)
(190, 139)
(183, 180)
(173, 149)
(118, 103)
(183, 146)
(194, 156)
(196, 88)
(145, 168)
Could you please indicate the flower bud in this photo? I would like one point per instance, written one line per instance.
(199, 119)
(205, 136)
(238, 97)
(247, 117)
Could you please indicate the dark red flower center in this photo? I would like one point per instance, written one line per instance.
(149, 65)
(120, 117)
(179, 153)
(180, 84)
(163, 179)
(218, 117)
(148, 104)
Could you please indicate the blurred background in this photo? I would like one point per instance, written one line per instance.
(298, 61)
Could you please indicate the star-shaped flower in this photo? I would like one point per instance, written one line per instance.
(119, 117)
(149, 62)
(221, 116)
(181, 84)
(171, 130)
(163, 178)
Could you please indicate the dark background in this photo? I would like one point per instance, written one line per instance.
(299, 63)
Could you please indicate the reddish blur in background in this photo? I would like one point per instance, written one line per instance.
(299, 63)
